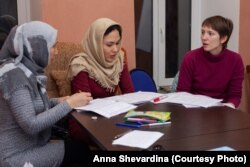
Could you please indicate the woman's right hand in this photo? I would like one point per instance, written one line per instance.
(79, 99)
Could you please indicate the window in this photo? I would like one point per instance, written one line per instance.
(172, 37)
(163, 35)
(8, 7)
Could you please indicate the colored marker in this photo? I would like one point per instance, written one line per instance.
(142, 120)
(128, 125)
(157, 99)
(157, 124)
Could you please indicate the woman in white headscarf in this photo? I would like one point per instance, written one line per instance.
(101, 68)
(26, 113)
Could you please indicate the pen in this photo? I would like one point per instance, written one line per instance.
(142, 120)
(157, 99)
(156, 124)
(122, 134)
(127, 125)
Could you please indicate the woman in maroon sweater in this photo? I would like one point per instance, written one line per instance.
(213, 70)
(101, 68)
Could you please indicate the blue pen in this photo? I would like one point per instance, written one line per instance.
(128, 125)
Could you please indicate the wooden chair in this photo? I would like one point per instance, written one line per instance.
(56, 71)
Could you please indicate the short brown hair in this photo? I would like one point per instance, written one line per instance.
(222, 25)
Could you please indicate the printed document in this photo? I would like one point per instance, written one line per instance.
(136, 97)
(106, 108)
(188, 99)
(139, 139)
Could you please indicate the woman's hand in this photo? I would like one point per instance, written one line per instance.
(79, 99)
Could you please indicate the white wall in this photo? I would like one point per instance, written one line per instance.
(202, 9)
(36, 9)
(23, 10)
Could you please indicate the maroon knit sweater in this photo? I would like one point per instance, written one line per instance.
(82, 82)
(219, 76)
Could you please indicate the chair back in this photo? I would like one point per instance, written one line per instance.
(142, 81)
(248, 73)
(175, 82)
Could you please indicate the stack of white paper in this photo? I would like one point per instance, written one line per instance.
(107, 108)
(188, 99)
(139, 139)
(136, 97)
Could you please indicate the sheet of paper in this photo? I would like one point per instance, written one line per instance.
(189, 99)
(193, 106)
(222, 148)
(136, 97)
(106, 108)
(139, 139)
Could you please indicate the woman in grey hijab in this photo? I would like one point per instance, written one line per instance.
(7, 22)
(26, 113)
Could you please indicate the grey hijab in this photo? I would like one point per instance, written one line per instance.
(26, 50)
(22, 59)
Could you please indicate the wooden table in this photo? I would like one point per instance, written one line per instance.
(191, 129)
